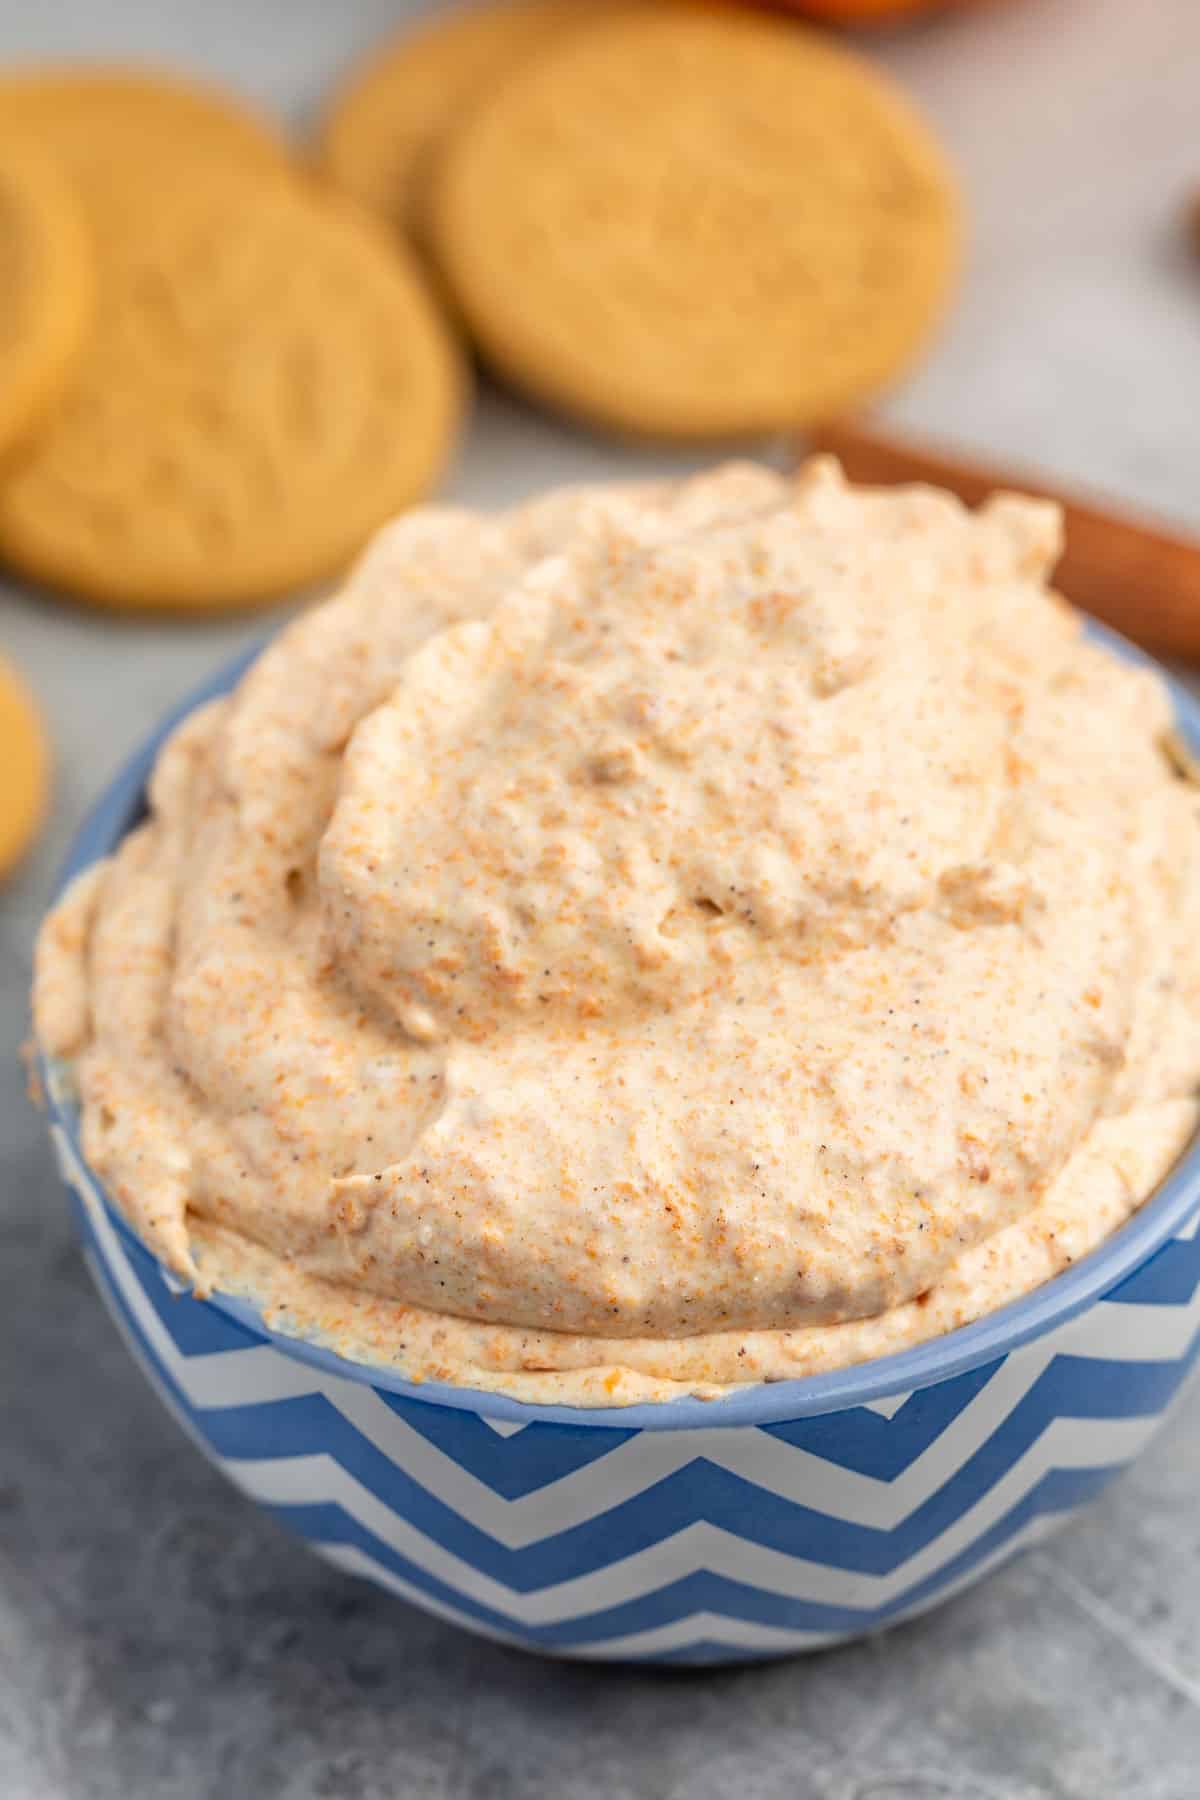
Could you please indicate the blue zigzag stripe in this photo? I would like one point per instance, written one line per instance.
(880, 1447)
(702, 1491)
(1170, 1278)
(702, 1652)
(195, 1329)
(545, 1453)
(1058, 1491)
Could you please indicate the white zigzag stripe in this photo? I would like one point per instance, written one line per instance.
(1067, 1444)
(725, 1632)
(889, 1406)
(99, 1269)
(736, 1634)
(352, 1561)
(793, 1475)
(1129, 1332)
(1188, 1230)
(346, 1557)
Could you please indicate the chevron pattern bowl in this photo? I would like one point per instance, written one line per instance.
(787, 1518)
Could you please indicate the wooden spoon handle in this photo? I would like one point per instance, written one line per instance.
(1143, 578)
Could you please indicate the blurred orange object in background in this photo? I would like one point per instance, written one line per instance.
(868, 12)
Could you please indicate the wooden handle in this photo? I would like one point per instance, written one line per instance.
(1140, 577)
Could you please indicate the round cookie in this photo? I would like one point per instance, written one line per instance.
(25, 761)
(96, 119)
(45, 287)
(687, 222)
(382, 126)
(268, 382)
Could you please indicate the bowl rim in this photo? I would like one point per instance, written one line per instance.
(901, 1372)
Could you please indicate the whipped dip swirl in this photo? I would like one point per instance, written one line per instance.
(657, 939)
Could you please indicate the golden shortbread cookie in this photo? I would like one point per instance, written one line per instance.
(24, 767)
(45, 286)
(98, 117)
(268, 381)
(685, 221)
(389, 117)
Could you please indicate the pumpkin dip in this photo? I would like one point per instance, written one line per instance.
(654, 940)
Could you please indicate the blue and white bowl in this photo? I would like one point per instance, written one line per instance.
(789, 1517)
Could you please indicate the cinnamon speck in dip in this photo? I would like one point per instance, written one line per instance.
(655, 940)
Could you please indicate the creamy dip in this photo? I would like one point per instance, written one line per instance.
(654, 940)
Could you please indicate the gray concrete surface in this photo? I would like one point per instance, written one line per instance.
(157, 1638)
